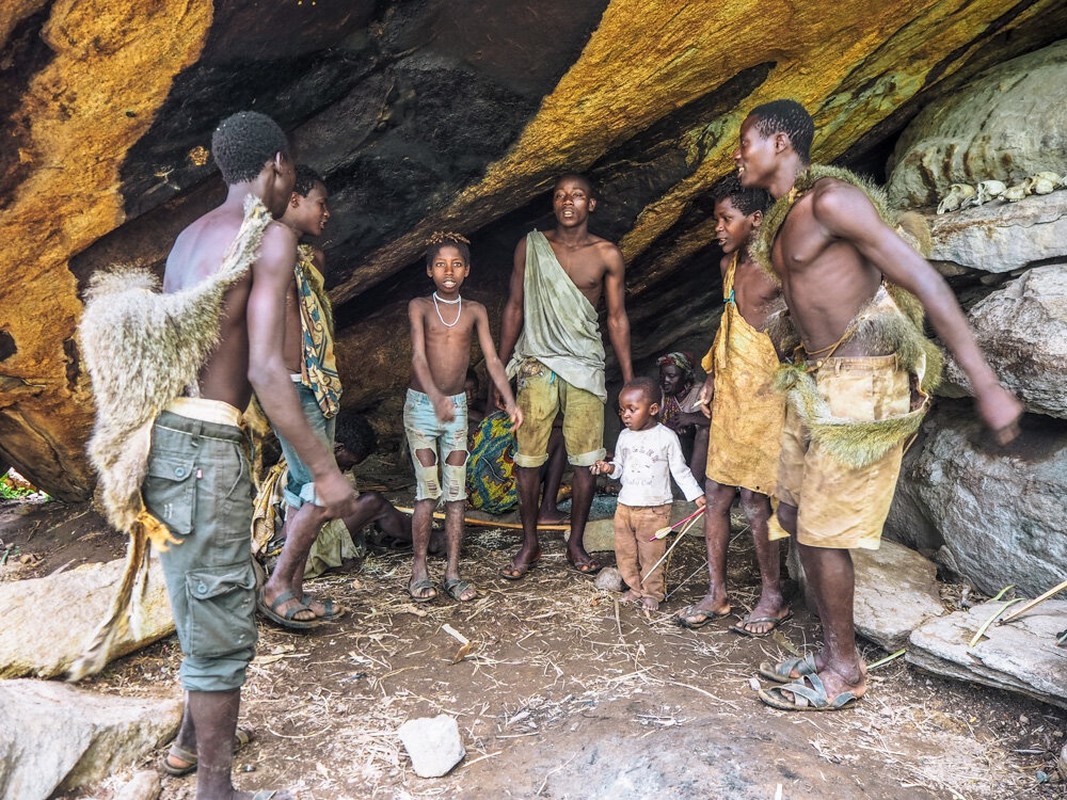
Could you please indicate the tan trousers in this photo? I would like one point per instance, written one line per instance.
(634, 553)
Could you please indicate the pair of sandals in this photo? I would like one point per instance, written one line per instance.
(423, 590)
(806, 687)
(287, 619)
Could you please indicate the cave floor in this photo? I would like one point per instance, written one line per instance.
(566, 694)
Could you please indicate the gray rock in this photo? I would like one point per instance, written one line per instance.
(144, 785)
(609, 579)
(1020, 656)
(434, 744)
(37, 641)
(55, 737)
(896, 592)
(1006, 124)
(997, 238)
(996, 513)
(1022, 328)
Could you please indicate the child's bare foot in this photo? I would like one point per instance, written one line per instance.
(630, 596)
(650, 603)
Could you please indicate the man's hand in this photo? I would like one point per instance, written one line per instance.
(701, 501)
(707, 392)
(334, 494)
(515, 415)
(444, 408)
(1000, 411)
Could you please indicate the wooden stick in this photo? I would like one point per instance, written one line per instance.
(490, 523)
(664, 531)
(1023, 609)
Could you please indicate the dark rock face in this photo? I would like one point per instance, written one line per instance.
(423, 116)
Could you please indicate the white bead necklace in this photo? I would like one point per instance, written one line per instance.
(437, 299)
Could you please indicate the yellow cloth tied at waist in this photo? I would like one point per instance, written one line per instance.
(747, 412)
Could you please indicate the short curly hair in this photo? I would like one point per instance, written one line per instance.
(746, 200)
(788, 117)
(306, 178)
(439, 239)
(355, 433)
(244, 142)
(649, 387)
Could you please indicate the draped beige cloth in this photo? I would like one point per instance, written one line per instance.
(560, 327)
(747, 412)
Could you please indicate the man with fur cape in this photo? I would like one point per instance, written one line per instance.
(167, 442)
(858, 381)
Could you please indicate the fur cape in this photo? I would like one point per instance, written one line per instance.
(856, 443)
(142, 349)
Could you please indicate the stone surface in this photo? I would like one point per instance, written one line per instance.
(1020, 656)
(896, 592)
(1022, 328)
(422, 116)
(37, 641)
(1002, 237)
(434, 744)
(144, 785)
(1007, 124)
(55, 738)
(994, 515)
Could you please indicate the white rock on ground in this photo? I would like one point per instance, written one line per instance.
(433, 743)
(48, 621)
(609, 579)
(144, 785)
(55, 737)
(1020, 656)
(1022, 328)
(896, 592)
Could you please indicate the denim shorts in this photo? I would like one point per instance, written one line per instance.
(299, 488)
(199, 484)
(426, 432)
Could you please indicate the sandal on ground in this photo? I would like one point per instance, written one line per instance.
(286, 619)
(332, 611)
(783, 671)
(517, 571)
(241, 737)
(805, 697)
(775, 622)
(417, 590)
(457, 587)
(686, 616)
(587, 567)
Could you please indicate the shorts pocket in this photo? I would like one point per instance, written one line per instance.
(221, 610)
(170, 492)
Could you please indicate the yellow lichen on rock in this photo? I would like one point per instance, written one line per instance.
(112, 68)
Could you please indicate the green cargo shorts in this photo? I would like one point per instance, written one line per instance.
(200, 486)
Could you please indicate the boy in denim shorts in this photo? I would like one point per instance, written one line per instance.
(435, 413)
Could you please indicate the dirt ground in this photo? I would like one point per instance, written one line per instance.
(565, 694)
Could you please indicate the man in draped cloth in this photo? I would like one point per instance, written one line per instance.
(551, 334)
(312, 367)
(198, 476)
(746, 414)
(858, 382)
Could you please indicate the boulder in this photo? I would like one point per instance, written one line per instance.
(1001, 237)
(48, 621)
(1006, 124)
(1022, 328)
(434, 744)
(993, 514)
(55, 738)
(896, 592)
(1020, 656)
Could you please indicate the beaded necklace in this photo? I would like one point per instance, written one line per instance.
(437, 299)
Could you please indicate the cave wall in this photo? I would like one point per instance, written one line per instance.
(423, 116)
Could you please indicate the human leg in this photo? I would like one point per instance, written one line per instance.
(771, 609)
(538, 397)
(583, 434)
(698, 461)
(423, 429)
(626, 549)
(551, 477)
(650, 554)
(715, 603)
(457, 588)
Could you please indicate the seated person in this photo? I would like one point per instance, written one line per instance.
(680, 408)
(491, 484)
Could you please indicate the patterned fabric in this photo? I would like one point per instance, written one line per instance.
(491, 482)
(319, 369)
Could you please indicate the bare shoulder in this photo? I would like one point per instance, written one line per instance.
(831, 198)
(417, 306)
(724, 264)
(609, 253)
(475, 307)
